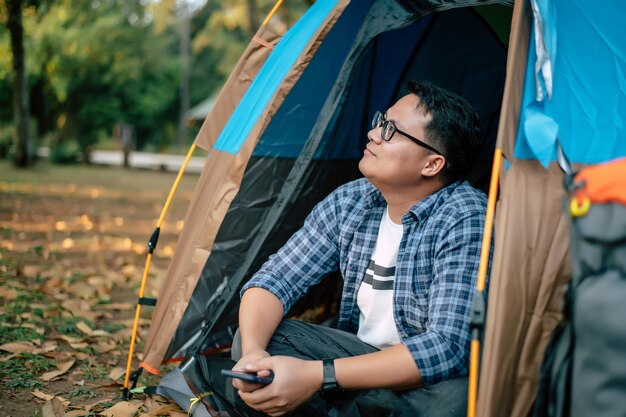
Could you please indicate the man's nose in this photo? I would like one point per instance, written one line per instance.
(374, 135)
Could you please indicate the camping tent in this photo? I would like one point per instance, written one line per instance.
(282, 135)
(565, 80)
(290, 125)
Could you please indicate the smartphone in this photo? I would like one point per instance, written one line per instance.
(248, 377)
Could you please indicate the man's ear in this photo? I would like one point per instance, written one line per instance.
(433, 166)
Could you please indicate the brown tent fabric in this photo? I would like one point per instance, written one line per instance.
(530, 265)
(222, 174)
(235, 87)
(529, 269)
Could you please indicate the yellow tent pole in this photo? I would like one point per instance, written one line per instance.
(154, 239)
(271, 13)
(479, 301)
(151, 246)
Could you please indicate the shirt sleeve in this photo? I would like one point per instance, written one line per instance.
(307, 257)
(442, 351)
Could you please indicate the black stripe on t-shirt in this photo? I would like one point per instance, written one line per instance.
(376, 284)
(382, 271)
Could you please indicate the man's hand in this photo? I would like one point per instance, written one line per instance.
(244, 363)
(295, 381)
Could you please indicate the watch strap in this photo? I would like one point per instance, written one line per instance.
(329, 373)
(330, 387)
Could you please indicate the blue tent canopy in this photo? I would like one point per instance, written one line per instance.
(586, 112)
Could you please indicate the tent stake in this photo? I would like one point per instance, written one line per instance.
(151, 247)
(478, 313)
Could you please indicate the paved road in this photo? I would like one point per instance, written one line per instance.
(144, 160)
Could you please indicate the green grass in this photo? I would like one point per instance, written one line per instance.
(67, 325)
(22, 371)
(95, 176)
(16, 334)
(93, 371)
(82, 392)
(113, 327)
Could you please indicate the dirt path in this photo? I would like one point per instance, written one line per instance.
(73, 244)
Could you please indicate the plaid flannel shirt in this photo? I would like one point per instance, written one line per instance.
(436, 271)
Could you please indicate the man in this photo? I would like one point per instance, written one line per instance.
(407, 240)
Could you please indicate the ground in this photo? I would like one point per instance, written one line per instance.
(73, 244)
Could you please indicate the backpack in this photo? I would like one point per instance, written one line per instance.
(584, 367)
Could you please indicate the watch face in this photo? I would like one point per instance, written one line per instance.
(331, 393)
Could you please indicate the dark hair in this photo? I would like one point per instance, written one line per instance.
(454, 128)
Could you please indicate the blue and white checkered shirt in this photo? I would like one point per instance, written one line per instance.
(436, 271)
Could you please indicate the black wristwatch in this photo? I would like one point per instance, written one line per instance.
(330, 388)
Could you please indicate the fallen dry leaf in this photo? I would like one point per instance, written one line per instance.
(83, 356)
(130, 271)
(18, 347)
(115, 306)
(109, 386)
(53, 408)
(42, 395)
(84, 328)
(8, 293)
(63, 367)
(77, 413)
(8, 357)
(64, 401)
(100, 333)
(82, 308)
(82, 290)
(105, 347)
(151, 403)
(70, 339)
(121, 409)
(33, 326)
(163, 410)
(48, 346)
(31, 271)
(116, 373)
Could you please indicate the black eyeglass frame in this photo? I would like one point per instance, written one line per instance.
(379, 120)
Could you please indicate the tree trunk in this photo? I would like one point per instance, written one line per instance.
(253, 19)
(21, 111)
(181, 135)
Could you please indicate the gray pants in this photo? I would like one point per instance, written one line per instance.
(310, 341)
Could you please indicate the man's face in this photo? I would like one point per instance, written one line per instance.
(398, 162)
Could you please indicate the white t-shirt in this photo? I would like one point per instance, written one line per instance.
(375, 297)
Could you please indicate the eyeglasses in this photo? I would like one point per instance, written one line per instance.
(388, 129)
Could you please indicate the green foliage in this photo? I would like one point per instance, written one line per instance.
(67, 325)
(113, 327)
(65, 154)
(93, 371)
(82, 392)
(15, 334)
(6, 140)
(22, 371)
(23, 382)
(92, 64)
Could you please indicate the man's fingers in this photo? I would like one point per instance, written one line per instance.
(260, 364)
(246, 386)
(254, 398)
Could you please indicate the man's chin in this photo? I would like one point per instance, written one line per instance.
(363, 167)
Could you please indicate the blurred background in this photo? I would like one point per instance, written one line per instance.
(78, 76)
(84, 84)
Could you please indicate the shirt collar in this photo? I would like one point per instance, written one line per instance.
(422, 209)
(374, 198)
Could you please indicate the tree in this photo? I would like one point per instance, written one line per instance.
(103, 63)
(21, 107)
